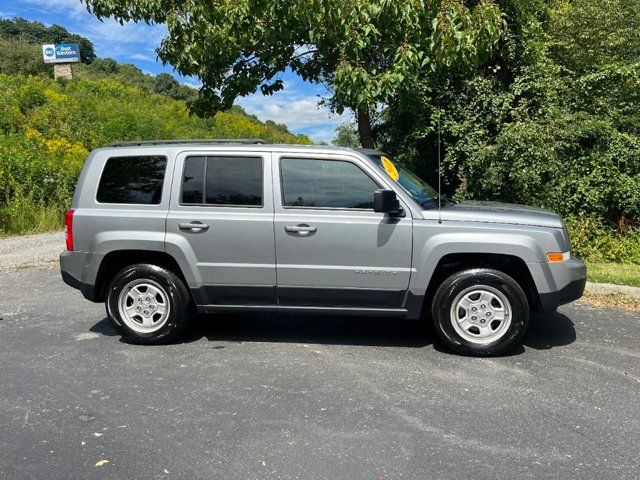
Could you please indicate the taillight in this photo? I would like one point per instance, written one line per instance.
(68, 230)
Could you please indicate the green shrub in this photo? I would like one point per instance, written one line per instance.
(551, 120)
(48, 128)
(29, 214)
(595, 241)
(21, 57)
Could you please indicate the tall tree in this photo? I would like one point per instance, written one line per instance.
(346, 135)
(362, 50)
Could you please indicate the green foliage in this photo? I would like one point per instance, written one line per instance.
(552, 119)
(587, 35)
(346, 135)
(37, 33)
(363, 50)
(128, 74)
(597, 241)
(27, 214)
(47, 129)
(21, 57)
(167, 85)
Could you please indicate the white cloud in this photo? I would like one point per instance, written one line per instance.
(69, 7)
(321, 133)
(131, 40)
(297, 110)
(193, 83)
(142, 56)
(109, 30)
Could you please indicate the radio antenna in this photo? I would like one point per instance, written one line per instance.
(439, 173)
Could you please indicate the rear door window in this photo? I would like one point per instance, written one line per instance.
(132, 180)
(224, 181)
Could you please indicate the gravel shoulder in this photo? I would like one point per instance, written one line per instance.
(30, 250)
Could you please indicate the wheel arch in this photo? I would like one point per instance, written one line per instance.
(116, 260)
(512, 265)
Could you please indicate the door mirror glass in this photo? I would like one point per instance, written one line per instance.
(386, 201)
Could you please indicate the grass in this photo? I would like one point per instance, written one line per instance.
(25, 219)
(620, 274)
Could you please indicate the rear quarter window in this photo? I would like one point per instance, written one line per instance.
(132, 180)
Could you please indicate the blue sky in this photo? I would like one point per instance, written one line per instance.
(296, 106)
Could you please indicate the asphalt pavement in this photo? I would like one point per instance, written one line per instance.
(309, 397)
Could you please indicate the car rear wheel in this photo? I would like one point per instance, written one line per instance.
(480, 312)
(148, 304)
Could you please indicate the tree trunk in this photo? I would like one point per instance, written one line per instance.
(364, 128)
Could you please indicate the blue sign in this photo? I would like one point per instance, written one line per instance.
(61, 53)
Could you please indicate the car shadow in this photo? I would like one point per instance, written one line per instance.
(549, 330)
(272, 327)
(319, 329)
(105, 328)
(544, 332)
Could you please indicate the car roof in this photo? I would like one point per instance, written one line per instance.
(174, 146)
(369, 151)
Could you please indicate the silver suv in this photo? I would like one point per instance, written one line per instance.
(160, 230)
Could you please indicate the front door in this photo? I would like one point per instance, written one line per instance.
(332, 249)
(221, 214)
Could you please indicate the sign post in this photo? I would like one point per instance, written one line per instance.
(61, 55)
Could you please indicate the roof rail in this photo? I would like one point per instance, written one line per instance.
(189, 140)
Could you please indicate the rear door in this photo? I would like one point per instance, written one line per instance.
(332, 249)
(221, 215)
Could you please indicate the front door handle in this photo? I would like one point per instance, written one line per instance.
(302, 229)
(194, 226)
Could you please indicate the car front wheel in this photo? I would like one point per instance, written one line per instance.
(148, 304)
(480, 312)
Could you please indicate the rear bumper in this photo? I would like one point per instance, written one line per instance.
(570, 278)
(72, 269)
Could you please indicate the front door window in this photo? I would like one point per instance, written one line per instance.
(325, 184)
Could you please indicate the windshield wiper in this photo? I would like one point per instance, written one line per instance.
(446, 199)
(443, 198)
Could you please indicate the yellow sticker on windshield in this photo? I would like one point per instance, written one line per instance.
(389, 167)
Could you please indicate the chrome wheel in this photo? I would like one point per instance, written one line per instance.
(143, 305)
(481, 314)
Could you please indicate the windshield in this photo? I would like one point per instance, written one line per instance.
(417, 188)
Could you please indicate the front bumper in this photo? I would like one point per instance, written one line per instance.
(569, 279)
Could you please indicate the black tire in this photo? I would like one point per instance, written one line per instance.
(178, 298)
(441, 311)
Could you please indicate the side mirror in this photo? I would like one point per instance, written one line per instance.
(386, 201)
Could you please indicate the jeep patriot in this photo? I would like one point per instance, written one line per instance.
(161, 230)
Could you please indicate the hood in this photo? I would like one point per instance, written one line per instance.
(496, 212)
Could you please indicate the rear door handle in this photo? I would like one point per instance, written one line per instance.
(303, 228)
(194, 226)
